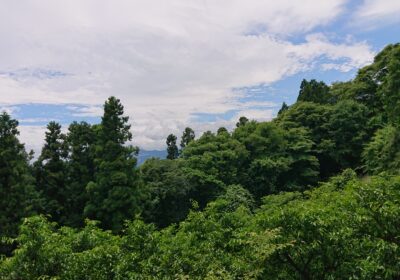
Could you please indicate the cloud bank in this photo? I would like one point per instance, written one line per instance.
(373, 13)
(166, 60)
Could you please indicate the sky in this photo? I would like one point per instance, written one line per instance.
(178, 63)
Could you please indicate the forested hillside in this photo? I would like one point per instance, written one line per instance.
(312, 194)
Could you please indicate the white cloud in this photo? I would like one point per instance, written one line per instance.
(165, 59)
(86, 111)
(344, 56)
(255, 114)
(9, 109)
(36, 120)
(372, 13)
(32, 137)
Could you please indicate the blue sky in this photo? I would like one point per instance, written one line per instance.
(178, 63)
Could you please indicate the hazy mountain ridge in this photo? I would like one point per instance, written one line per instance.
(146, 154)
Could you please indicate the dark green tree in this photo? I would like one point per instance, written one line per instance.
(222, 130)
(172, 148)
(169, 191)
(314, 117)
(283, 108)
(338, 131)
(242, 121)
(382, 154)
(220, 156)
(279, 160)
(187, 137)
(389, 89)
(50, 172)
(376, 86)
(18, 197)
(347, 133)
(113, 195)
(242, 132)
(313, 91)
(80, 170)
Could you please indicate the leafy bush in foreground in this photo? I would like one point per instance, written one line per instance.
(345, 229)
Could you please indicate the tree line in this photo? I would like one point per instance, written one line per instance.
(312, 194)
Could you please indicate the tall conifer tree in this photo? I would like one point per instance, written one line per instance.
(18, 197)
(80, 140)
(113, 193)
(172, 148)
(187, 137)
(50, 172)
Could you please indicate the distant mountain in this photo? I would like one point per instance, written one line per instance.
(144, 154)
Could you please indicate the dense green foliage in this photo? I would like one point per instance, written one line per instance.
(291, 236)
(168, 190)
(312, 194)
(338, 131)
(382, 154)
